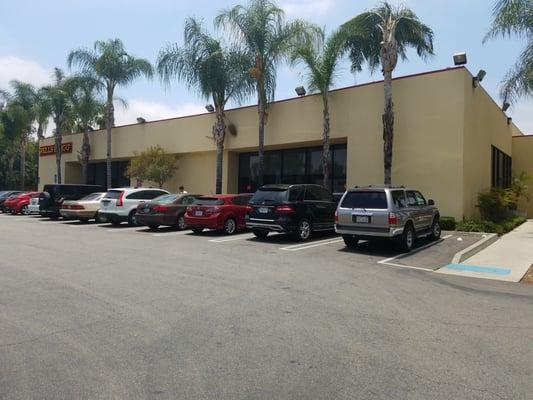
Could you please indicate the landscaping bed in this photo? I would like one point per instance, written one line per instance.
(481, 225)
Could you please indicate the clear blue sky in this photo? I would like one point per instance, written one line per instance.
(36, 35)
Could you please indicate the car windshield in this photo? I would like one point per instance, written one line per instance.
(366, 199)
(208, 201)
(165, 199)
(113, 194)
(263, 196)
(92, 197)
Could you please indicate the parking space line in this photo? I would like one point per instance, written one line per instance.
(163, 234)
(240, 237)
(387, 260)
(298, 247)
(127, 229)
(407, 267)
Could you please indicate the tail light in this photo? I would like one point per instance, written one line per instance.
(249, 209)
(120, 203)
(213, 210)
(336, 216)
(77, 207)
(393, 219)
(284, 209)
(160, 208)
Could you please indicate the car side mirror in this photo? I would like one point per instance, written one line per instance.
(431, 202)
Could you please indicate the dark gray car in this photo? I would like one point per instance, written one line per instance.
(373, 212)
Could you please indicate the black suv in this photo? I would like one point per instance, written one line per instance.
(52, 197)
(295, 209)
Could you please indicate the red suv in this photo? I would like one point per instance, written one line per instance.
(19, 203)
(223, 212)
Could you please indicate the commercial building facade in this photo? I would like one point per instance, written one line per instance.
(451, 141)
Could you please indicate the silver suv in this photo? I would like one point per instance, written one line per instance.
(373, 212)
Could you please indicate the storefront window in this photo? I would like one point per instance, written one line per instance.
(302, 165)
(97, 174)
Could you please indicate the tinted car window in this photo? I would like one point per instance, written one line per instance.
(376, 200)
(263, 196)
(296, 193)
(398, 197)
(92, 197)
(165, 199)
(325, 195)
(187, 200)
(113, 194)
(208, 201)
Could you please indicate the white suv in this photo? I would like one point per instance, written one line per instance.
(120, 205)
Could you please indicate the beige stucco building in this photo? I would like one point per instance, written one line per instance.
(452, 140)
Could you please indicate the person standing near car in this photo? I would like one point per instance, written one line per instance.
(182, 190)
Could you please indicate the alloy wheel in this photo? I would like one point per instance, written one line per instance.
(230, 226)
(304, 229)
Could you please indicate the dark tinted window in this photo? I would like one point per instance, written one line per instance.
(165, 199)
(269, 196)
(187, 200)
(398, 198)
(113, 194)
(317, 193)
(501, 169)
(241, 200)
(376, 200)
(208, 201)
(296, 193)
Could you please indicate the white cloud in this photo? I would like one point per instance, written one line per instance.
(12, 67)
(522, 114)
(307, 8)
(153, 111)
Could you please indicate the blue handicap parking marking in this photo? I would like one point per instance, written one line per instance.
(474, 268)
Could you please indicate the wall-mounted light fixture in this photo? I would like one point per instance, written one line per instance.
(459, 58)
(300, 91)
(479, 78)
(505, 106)
(140, 120)
(210, 108)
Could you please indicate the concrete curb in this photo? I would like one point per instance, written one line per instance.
(475, 248)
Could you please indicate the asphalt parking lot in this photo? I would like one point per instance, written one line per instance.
(94, 311)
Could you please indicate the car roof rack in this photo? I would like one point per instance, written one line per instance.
(380, 186)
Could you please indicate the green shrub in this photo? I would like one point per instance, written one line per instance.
(496, 204)
(448, 223)
(507, 225)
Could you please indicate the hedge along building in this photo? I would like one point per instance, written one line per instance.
(451, 141)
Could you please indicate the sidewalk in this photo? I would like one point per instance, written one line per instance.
(508, 259)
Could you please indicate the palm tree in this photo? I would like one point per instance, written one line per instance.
(214, 71)
(260, 28)
(87, 108)
(111, 66)
(321, 59)
(58, 96)
(515, 17)
(23, 96)
(379, 37)
(42, 112)
(14, 122)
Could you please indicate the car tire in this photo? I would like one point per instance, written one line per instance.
(197, 230)
(435, 230)
(153, 227)
(303, 230)
(99, 218)
(260, 233)
(25, 210)
(350, 241)
(132, 218)
(230, 226)
(180, 223)
(115, 222)
(407, 240)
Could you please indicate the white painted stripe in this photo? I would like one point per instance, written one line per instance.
(240, 237)
(387, 260)
(299, 247)
(407, 267)
(163, 234)
(127, 229)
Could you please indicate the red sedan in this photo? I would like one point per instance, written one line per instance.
(223, 212)
(19, 204)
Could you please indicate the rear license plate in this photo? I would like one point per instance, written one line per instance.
(263, 210)
(358, 219)
(198, 213)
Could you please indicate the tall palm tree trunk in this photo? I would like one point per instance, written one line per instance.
(110, 121)
(261, 135)
(326, 156)
(85, 154)
(219, 133)
(57, 144)
(388, 128)
(23, 144)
